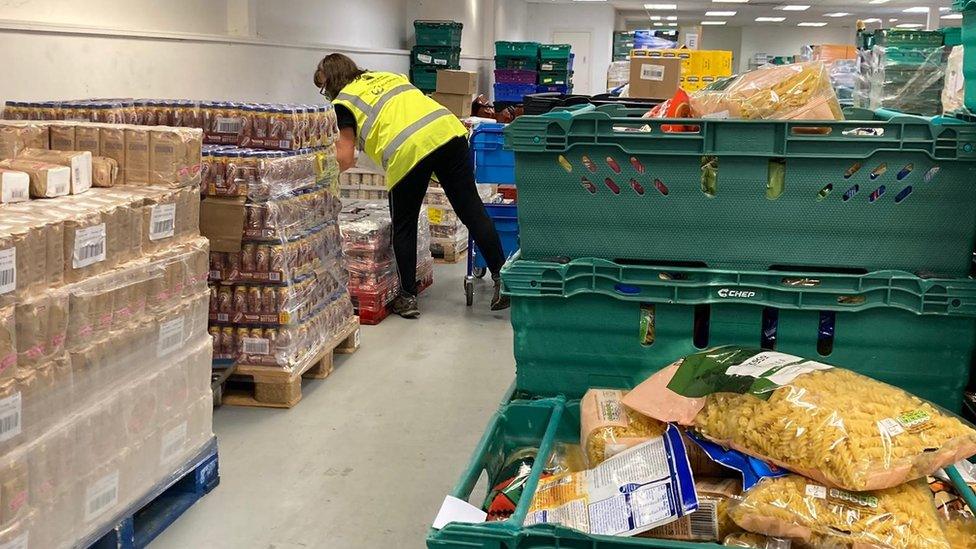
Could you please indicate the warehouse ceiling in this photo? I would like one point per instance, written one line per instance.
(842, 13)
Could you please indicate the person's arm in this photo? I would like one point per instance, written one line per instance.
(346, 149)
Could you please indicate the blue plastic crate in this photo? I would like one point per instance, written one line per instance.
(492, 164)
(565, 90)
(505, 218)
(513, 92)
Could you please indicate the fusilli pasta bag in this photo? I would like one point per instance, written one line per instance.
(755, 541)
(800, 509)
(840, 428)
(608, 428)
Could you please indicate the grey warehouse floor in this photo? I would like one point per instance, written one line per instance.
(367, 456)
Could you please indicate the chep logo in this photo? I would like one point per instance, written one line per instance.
(726, 292)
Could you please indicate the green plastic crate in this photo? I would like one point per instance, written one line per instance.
(968, 9)
(518, 63)
(425, 78)
(554, 51)
(555, 65)
(953, 35)
(528, 50)
(556, 78)
(870, 193)
(438, 33)
(905, 37)
(436, 56)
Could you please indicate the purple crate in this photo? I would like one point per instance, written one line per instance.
(514, 76)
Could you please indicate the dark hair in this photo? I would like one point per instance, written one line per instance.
(336, 71)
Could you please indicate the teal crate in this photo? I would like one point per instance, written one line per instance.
(968, 9)
(436, 56)
(551, 65)
(906, 37)
(556, 78)
(870, 193)
(424, 78)
(555, 51)
(529, 50)
(517, 63)
(953, 36)
(438, 33)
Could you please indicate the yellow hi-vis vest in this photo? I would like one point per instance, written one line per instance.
(398, 126)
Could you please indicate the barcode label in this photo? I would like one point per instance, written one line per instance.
(229, 125)
(170, 337)
(424, 58)
(256, 346)
(652, 72)
(162, 221)
(89, 246)
(8, 270)
(20, 542)
(10, 412)
(440, 61)
(704, 521)
(101, 496)
(172, 443)
(12, 188)
(17, 194)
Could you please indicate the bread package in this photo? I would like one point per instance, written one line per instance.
(105, 171)
(8, 342)
(80, 163)
(167, 157)
(711, 522)
(111, 141)
(62, 137)
(46, 180)
(14, 186)
(136, 170)
(87, 139)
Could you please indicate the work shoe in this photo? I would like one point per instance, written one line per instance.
(405, 305)
(499, 302)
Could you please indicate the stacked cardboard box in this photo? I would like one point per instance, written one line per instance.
(455, 89)
(363, 184)
(448, 236)
(90, 285)
(699, 68)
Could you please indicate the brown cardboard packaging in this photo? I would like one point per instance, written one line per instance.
(11, 141)
(62, 137)
(193, 163)
(136, 170)
(654, 77)
(111, 141)
(457, 82)
(8, 342)
(42, 325)
(14, 186)
(80, 163)
(460, 105)
(87, 139)
(167, 157)
(46, 180)
(85, 245)
(105, 171)
(222, 221)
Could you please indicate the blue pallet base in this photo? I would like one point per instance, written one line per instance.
(151, 515)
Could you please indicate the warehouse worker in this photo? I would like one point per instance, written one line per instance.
(412, 137)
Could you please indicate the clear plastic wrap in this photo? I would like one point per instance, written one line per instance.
(756, 541)
(954, 91)
(262, 175)
(904, 78)
(608, 428)
(784, 92)
(796, 508)
(957, 518)
(358, 184)
(826, 423)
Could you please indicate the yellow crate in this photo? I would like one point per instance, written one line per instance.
(717, 63)
(694, 62)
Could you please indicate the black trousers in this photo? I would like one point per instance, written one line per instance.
(452, 165)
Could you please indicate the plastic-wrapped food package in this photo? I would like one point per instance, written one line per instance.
(957, 518)
(905, 78)
(798, 508)
(799, 91)
(954, 92)
(824, 422)
(261, 175)
(608, 428)
(756, 541)
(711, 522)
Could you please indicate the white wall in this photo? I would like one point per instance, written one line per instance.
(723, 38)
(597, 18)
(776, 40)
(162, 15)
(363, 23)
(511, 21)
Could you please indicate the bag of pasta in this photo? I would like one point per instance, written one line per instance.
(799, 509)
(829, 424)
(607, 428)
(755, 541)
(801, 91)
(957, 518)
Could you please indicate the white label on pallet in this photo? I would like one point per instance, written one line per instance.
(256, 346)
(172, 444)
(170, 337)
(355, 339)
(424, 58)
(162, 221)
(101, 496)
(229, 125)
(10, 416)
(89, 246)
(8, 270)
(20, 542)
(652, 72)
(442, 62)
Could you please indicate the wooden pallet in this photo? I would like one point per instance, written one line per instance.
(268, 387)
(448, 254)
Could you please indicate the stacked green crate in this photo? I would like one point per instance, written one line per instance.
(904, 70)
(555, 66)
(623, 43)
(438, 48)
(510, 56)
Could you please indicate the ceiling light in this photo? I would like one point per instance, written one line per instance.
(837, 14)
(916, 9)
(871, 20)
(672, 24)
(910, 26)
(793, 7)
(893, 19)
(812, 24)
(770, 19)
(660, 6)
(713, 22)
(945, 9)
(878, 2)
(658, 24)
(719, 13)
(655, 18)
(952, 16)
(672, 18)
(730, 1)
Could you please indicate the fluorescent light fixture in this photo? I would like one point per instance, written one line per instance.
(672, 18)
(658, 24)
(943, 8)
(910, 26)
(719, 13)
(713, 22)
(812, 24)
(878, 2)
(672, 24)
(655, 18)
(916, 9)
(893, 19)
(660, 6)
(871, 20)
(952, 16)
(837, 14)
(793, 7)
(730, 1)
(770, 19)
(589, 0)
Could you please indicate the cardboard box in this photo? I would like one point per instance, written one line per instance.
(80, 163)
(457, 82)
(46, 180)
(14, 186)
(136, 167)
(459, 104)
(222, 221)
(654, 77)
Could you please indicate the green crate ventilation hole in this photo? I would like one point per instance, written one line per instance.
(775, 181)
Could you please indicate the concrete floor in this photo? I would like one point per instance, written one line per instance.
(367, 456)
